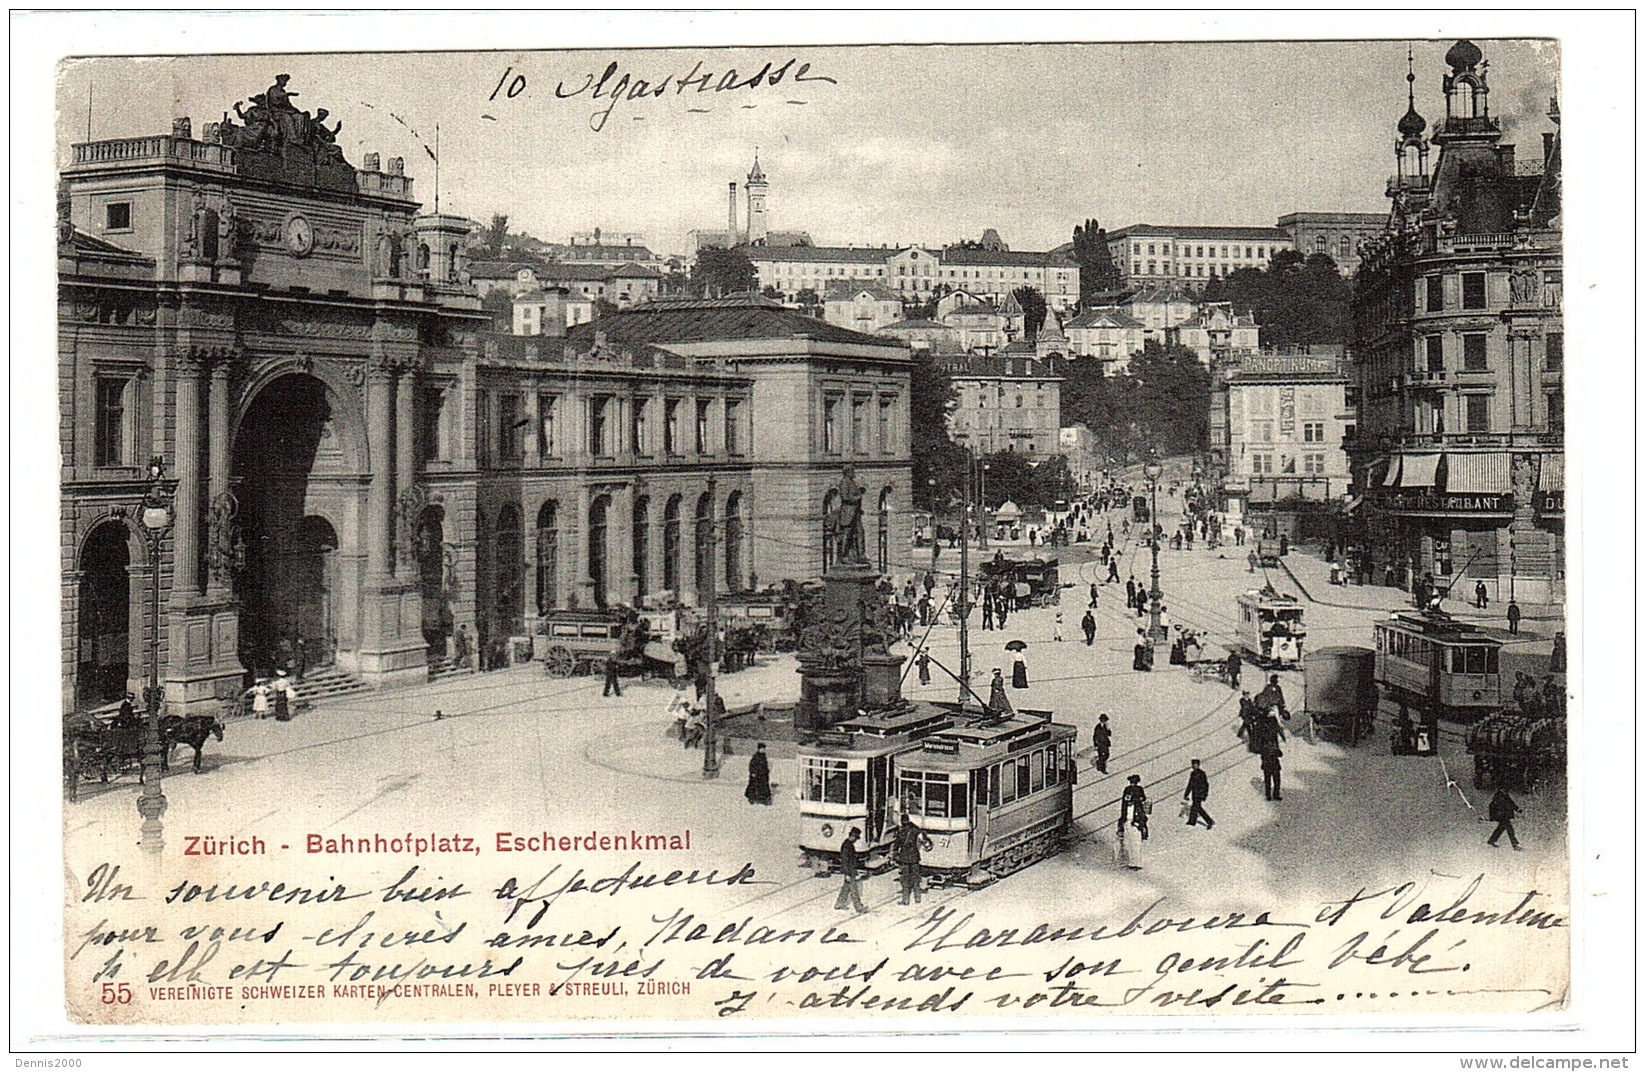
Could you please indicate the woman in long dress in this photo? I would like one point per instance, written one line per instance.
(1019, 672)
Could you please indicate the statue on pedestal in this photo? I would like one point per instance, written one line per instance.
(847, 526)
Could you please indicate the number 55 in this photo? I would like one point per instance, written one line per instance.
(116, 994)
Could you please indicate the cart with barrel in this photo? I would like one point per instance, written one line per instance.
(1516, 751)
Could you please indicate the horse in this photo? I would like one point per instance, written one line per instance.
(192, 731)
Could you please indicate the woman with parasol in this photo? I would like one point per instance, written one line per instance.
(1019, 664)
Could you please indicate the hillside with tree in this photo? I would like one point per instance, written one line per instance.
(1297, 300)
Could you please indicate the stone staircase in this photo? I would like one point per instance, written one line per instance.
(441, 667)
(320, 685)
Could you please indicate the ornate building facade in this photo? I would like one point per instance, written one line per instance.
(358, 465)
(1458, 350)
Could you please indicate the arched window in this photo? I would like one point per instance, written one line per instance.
(884, 555)
(642, 547)
(734, 572)
(510, 570)
(548, 557)
(671, 545)
(705, 545)
(599, 571)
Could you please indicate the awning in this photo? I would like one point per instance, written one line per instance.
(1477, 473)
(1553, 473)
(1392, 479)
(1418, 470)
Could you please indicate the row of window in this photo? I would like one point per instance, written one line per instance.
(1432, 352)
(931, 793)
(1262, 464)
(655, 426)
(1472, 292)
(1457, 660)
(1260, 253)
(884, 429)
(1263, 431)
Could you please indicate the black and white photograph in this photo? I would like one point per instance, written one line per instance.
(820, 533)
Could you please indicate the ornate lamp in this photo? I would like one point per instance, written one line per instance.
(156, 516)
(1152, 471)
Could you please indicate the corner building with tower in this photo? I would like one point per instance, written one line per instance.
(359, 467)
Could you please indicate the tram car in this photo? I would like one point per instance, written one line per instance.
(1139, 509)
(994, 795)
(1270, 627)
(848, 776)
(1444, 668)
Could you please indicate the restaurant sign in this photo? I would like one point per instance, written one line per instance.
(1457, 503)
(1550, 502)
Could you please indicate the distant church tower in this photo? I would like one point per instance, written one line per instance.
(756, 188)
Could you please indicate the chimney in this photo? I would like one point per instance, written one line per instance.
(596, 236)
(731, 214)
(1505, 158)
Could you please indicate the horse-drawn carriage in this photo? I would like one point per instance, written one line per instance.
(583, 641)
(1035, 582)
(105, 745)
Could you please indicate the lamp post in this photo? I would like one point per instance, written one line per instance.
(1152, 471)
(155, 513)
(983, 499)
(711, 754)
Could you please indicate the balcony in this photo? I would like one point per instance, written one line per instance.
(159, 148)
(1398, 184)
(1424, 377)
(1495, 440)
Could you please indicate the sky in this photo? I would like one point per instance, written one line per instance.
(882, 144)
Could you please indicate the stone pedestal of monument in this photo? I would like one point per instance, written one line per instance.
(843, 667)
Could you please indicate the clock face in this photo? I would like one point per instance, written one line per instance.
(299, 236)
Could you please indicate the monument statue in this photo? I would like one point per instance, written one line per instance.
(226, 553)
(847, 527)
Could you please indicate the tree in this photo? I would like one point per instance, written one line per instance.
(936, 457)
(770, 291)
(1053, 480)
(496, 236)
(1097, 269)
(1009, 477)
(1033, 311)
(808, 299)
(719, 272)
(604, 308)
(1172, 398)
(500, 304)
(1298, 300)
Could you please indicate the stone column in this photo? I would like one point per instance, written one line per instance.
(533, 439)
(405, 456)
(578, 582)
(218, 450)
(380, 496)
(186, 465)
(620, 546)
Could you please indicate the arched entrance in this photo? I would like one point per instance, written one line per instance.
(599, 559)
(431, 570)
(290, 468)
(548, 557)
(105, 617)
(509, 603)
(734, 576)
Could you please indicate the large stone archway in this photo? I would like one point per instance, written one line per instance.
(109, 608)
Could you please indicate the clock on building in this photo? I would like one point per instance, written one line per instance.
(299, 235)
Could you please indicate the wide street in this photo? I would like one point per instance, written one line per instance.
(518, 751)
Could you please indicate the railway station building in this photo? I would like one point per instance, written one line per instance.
(357, 462)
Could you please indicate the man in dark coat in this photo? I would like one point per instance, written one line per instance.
(923, 661)
(1502, 812)
(1102, 739)
(1089, 625)
(1233, 664)
(1131, 592)
(613, 683)
(1556, 655)
(1481, 599)
(1513, 617)
(851, 869)
(1270, 772)
(1272, 698)
(1113, 571)
(988, 610)
(1093, 596)
(1199, 787)
(759, 777)
(910, 840)
(1140, 653)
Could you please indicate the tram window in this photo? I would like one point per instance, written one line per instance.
(1469, 661)
(1008, 781)
(936, 797)
(957, 794)
(1051, 773)
(858, 789)
(1037, 770)
(1022, 777)
(1490, 660)
(825, 781)
(911, 796)
(994, 786)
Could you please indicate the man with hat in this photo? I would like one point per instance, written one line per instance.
(1102, 739)
(851, 868)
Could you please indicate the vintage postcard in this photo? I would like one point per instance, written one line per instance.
(886, 535)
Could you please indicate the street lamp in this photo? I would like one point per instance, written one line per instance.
(984, 499)
(156, 516)
(1152, 471)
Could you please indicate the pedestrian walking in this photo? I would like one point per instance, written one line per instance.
(1513, 617)
(1089, 625)
(1056, 628)
(1270, 772)
(759, 777)
(998, 704)
(1093, 597)
(1113, 571)
(1250, 561)
(1139, 653)
(1233, 664)
(1002, 612)
(1199, 787)
(282, 699)
(925, 610)
(1556, 655)
(1272, 699)
(1239, 536)
(1480, 599)
(612, 682)
(851, 869)
(1102, 739)
(910, 840)
(678, 709)
(1503, 811)
(987, 611)
(1019, 671)
(1133, 824)
(923, 661)
(1131, 592)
